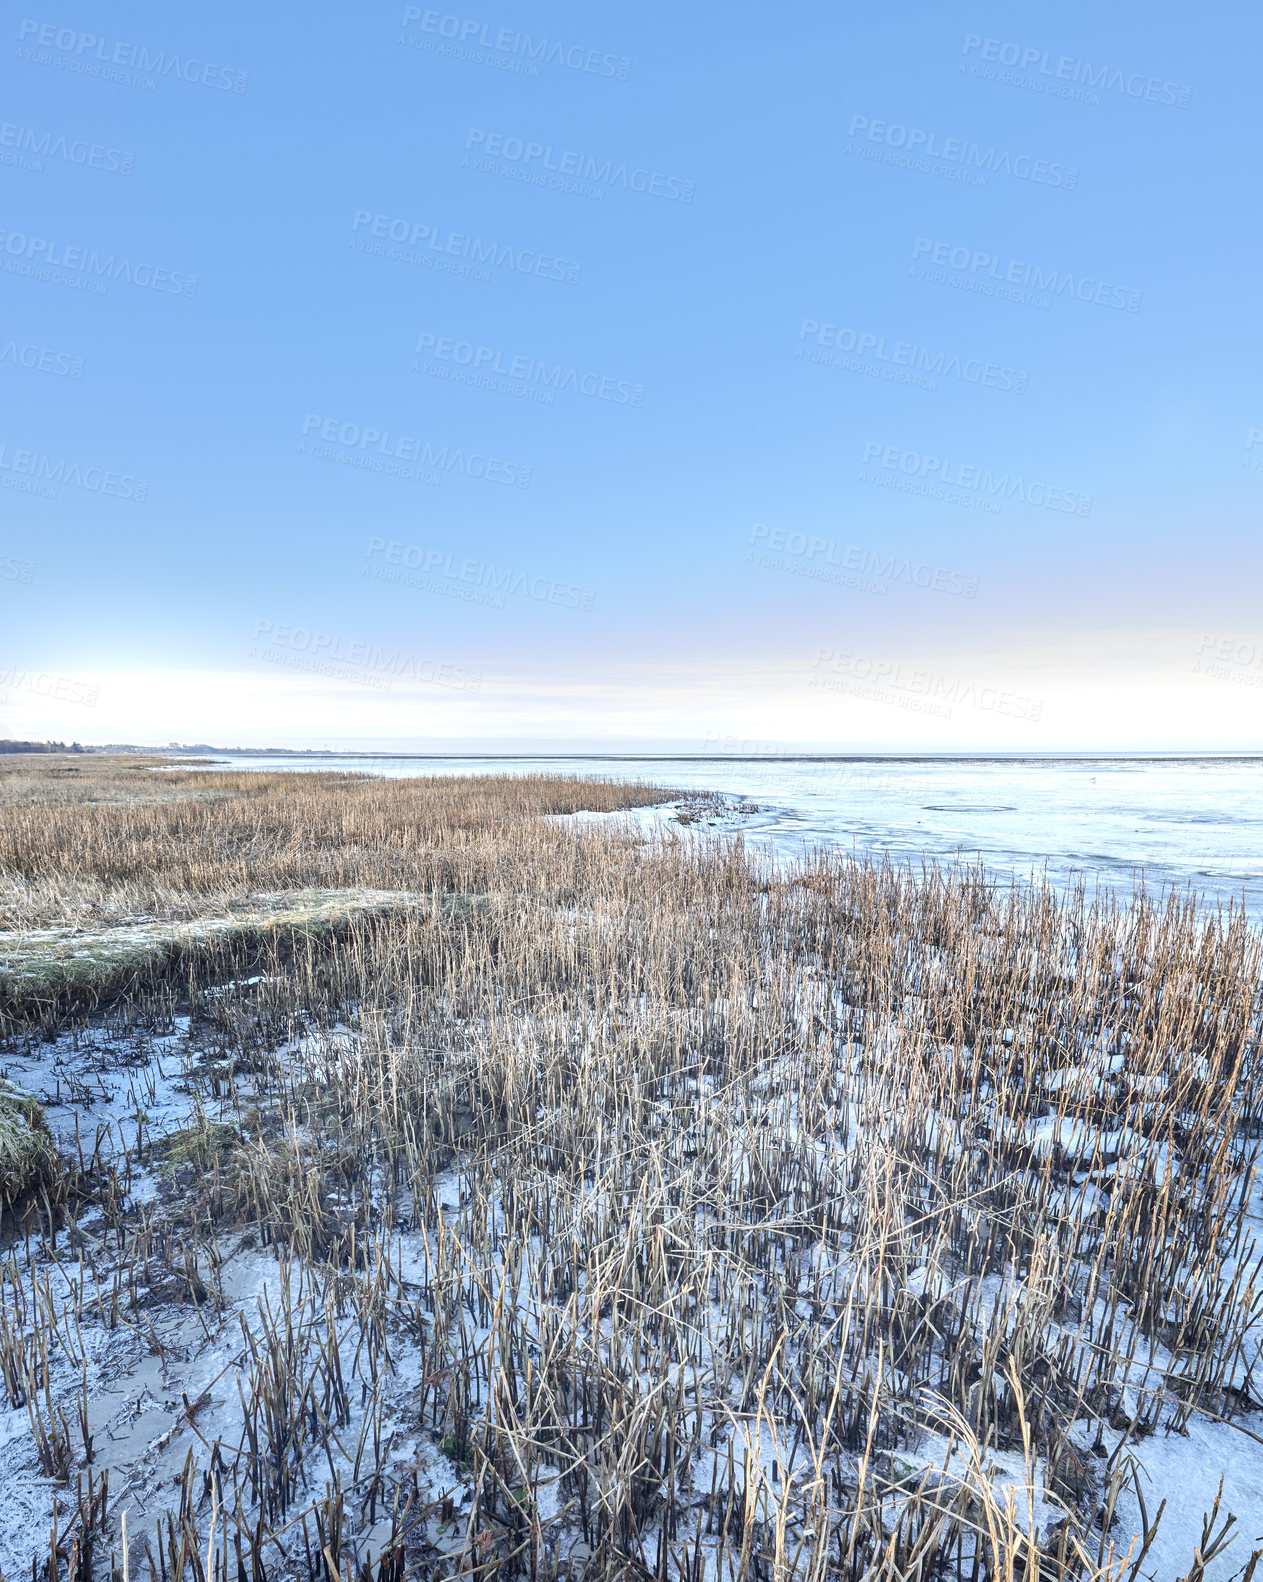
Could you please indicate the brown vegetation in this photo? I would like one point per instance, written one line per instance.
(85, 845)
(708, 1219)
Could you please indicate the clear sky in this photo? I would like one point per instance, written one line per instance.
(555, 376)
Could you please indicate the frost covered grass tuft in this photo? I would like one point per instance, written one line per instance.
(26, 1151)
(46, 968)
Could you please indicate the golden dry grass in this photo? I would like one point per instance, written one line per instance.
(85, 846)
(64, 779)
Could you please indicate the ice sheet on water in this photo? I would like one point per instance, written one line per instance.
(1182, 821)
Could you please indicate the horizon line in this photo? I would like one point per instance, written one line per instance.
(907, 755)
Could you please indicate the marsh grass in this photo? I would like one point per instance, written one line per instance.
(114, 850)
(704, 1218)
(43, 972)
(26, 1150)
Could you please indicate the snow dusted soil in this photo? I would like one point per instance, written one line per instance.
(250, 1307)
(163, 1378)
(147, 1360)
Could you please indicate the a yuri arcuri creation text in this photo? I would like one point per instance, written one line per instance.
(546, 165)
(29, 147)
(538, 378)
(821, 559)
(370, 449)
(934, 691)
(454, 252)
(902, 362)
(1034, 285)
(957, 158)
(88, 268)
(297, 647)
(1064, 76)
(36, 472)
(507, 48)
(117, 60)
(468, 577)
(964, 482)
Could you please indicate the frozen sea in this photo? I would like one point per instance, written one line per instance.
(1169, 821)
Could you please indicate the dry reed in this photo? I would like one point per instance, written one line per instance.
(706, 1219)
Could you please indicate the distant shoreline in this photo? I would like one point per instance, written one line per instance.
(1235, 756)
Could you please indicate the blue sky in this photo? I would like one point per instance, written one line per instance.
(542, 377)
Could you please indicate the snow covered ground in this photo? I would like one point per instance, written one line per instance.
(158, 1321)
(165, 1376)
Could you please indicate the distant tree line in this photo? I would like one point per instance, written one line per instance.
(7, 746)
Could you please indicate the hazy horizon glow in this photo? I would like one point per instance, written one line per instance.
(547, 378)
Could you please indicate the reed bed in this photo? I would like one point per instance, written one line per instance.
(664, 1214)
(112, 850)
